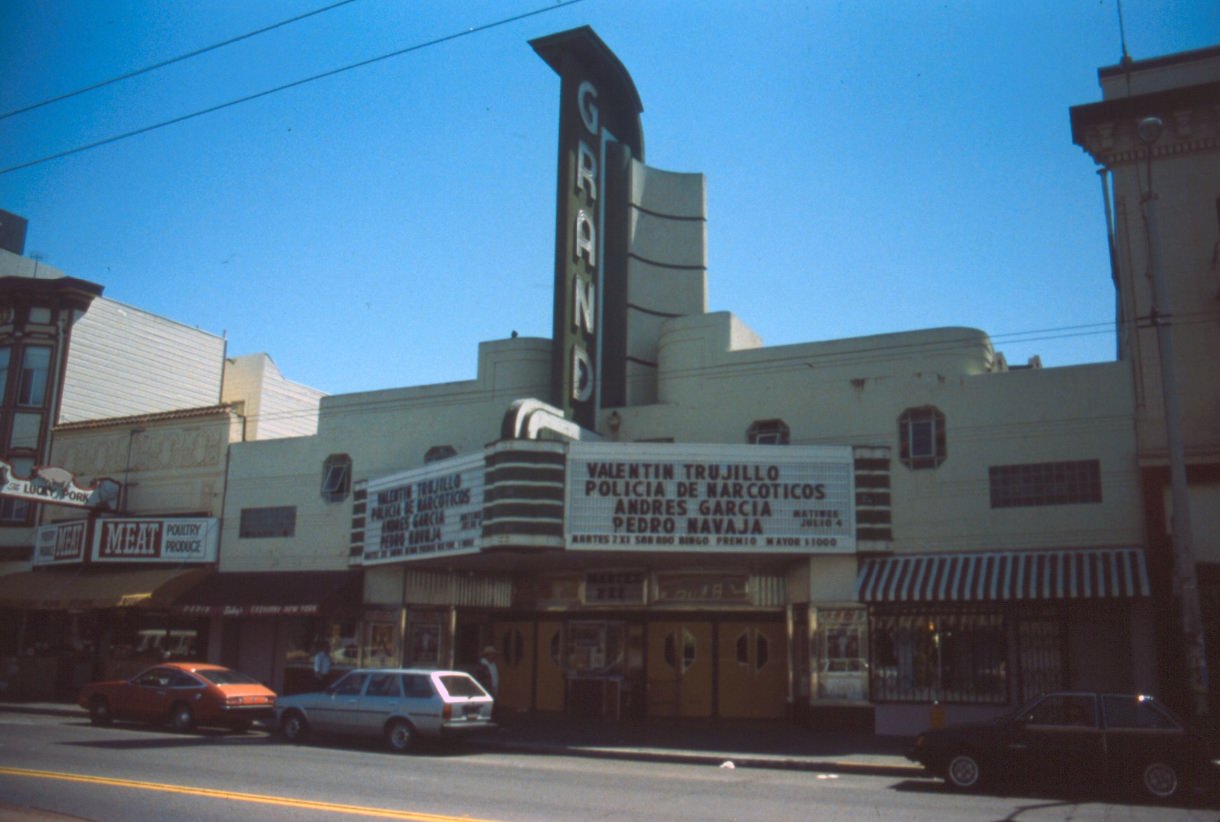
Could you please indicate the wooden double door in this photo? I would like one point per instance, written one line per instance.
(690, 667)
(730, 669)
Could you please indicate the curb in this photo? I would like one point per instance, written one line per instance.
(810, 764)
(773, 762)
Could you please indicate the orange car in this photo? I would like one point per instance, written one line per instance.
(183, 694)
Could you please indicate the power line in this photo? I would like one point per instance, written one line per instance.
(213, 109)
(170, 61)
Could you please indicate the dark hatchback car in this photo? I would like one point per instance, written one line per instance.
(1070, 739)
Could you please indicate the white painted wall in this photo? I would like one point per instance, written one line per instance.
(125, 361)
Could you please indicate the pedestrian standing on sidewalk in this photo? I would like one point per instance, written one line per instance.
(487, 673)
(321, 664)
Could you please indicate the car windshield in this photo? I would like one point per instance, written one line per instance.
(223, 676)
(461, 686)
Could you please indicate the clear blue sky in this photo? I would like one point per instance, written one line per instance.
(872, 166)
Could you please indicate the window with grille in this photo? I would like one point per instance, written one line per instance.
(921, 437)
(1045, 483)
(949, 656)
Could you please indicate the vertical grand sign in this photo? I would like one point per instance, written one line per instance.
(598, 108)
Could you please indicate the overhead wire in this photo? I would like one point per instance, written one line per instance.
(137, 72)
(775, 363)
(286, 86)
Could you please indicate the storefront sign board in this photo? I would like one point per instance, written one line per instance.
(160, 539)
(62, 543)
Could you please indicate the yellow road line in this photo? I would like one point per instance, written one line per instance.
(264, 799)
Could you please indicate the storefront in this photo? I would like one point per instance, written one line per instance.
(976, 632)
(63, 627)
(270, 624)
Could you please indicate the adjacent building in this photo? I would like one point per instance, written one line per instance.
(115, 425)
(1156, 137)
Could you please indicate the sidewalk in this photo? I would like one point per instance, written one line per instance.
(744, 743)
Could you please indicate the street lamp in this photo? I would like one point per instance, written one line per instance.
(1185, 578)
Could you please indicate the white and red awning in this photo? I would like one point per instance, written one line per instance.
(1001, 576)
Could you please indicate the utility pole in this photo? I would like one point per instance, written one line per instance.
(1185, 575)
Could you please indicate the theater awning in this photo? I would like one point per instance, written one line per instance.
(272, 594)
(1002, 576)
(80, 589)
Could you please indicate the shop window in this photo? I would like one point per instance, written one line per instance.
(1045, 483)
(837, 653)
(921, 437)
(947, 656)
(336, 477)
(14, 511)
(32, 380)
(595, 647)
(440, 452)
(259, 523)
(768, 432)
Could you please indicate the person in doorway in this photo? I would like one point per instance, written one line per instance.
(487, 673)
(321, 664)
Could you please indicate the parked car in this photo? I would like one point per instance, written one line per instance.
(1073, 738)
(398, 704)
(182, 694)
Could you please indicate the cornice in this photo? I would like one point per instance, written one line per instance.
(1107, 130)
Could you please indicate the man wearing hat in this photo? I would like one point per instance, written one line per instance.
(487, 673)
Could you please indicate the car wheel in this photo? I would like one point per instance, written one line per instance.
(1161, 780)
(99, 711)
(181, 717)
(963, 772)
(399, 735)
(294, 727)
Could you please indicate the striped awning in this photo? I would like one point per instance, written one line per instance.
(1001, 576)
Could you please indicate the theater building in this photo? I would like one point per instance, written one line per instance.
(653, 514)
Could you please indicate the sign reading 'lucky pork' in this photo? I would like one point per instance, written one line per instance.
(795, 499)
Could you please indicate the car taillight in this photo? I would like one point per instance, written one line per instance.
(447, 711)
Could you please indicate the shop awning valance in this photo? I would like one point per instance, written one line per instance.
(81, 589)
(1001, 576)
(271, 594)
